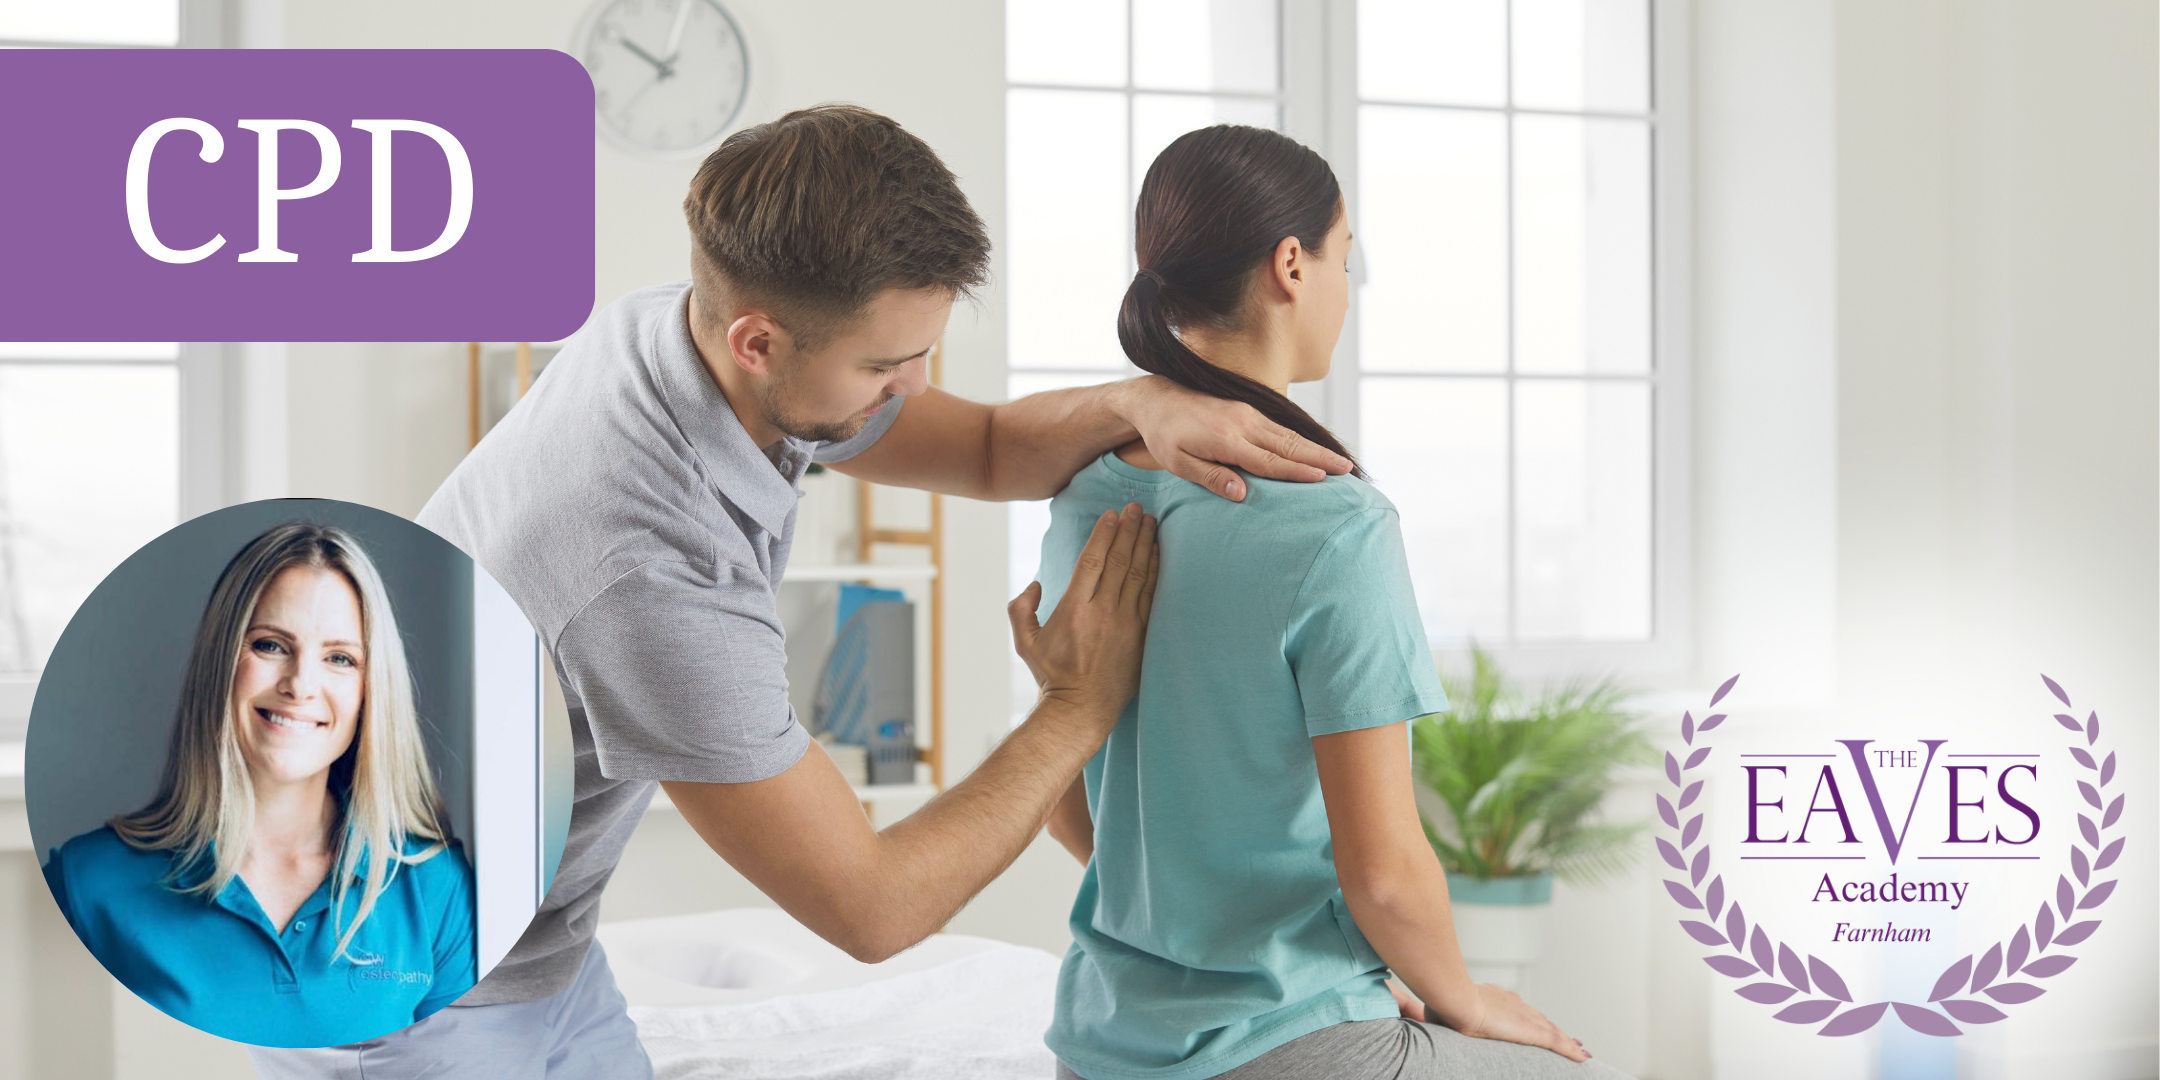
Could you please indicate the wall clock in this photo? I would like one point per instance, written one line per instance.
(669, 76)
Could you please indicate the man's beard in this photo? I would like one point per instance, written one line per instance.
(777, 400)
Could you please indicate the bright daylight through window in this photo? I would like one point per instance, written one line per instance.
(1500, 377)
(89, 432)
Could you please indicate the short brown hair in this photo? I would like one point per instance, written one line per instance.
(812, 215)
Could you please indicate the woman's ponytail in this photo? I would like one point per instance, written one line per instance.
(1214, 204)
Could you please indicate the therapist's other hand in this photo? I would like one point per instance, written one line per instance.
(1490, 1012)
(1206, 439)
(1088, 653)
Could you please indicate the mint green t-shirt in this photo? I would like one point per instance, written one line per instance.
(1210, 927)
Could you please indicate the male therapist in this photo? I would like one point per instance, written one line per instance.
(638, 504)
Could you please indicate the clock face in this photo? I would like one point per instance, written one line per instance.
(668, 76)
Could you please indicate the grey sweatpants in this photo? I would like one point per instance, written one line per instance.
(1400, 1049)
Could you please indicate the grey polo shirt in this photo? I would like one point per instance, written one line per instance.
(625, 509)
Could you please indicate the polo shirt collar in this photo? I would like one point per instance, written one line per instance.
(758, 484)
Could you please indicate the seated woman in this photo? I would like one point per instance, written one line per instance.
(1255, 864)
(293, 882)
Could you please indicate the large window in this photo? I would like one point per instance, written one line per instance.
(90, 434)
(1094, 91)
(1501, 375)
(1505, 350)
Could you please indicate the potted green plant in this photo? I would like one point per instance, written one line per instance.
(1522, 775)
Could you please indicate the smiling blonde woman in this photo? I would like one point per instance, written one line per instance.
(293, 882)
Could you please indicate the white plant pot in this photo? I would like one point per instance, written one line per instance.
(1500, 925)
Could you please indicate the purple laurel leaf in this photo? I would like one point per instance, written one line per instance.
(2092, 728)
(2079, 866)
(2075, 932)
(1702, 932)
(1694, 827)
(1727, 688)
(2107, 769)
(2064, 896)
(2093, 899)
(2070, 722)
(1680, 893)
(2107, 858)
(1687, 728)
(1715, 899)
(2114, 811)
(1989, 966)
(2056, 690)
(1974, 1012)
(1759, 948)
(1855, 1021)
(2090, 831)
(1926, 1021)
(1736, 928)
(2020, 948)
(1730, 965)
(2078, 754)
(2092, 794)
(1700, 867)
(1688, 796)
(1788, 963)
(1710, 721)
(2044, 926)
(2049, 965)
(2013, 993)
(1665, 810)
(1827, 981)
(1672, 768)
(1697, 757)
(1807, 1012)
(1952, 980)
(1765, 993)
(1671, 854)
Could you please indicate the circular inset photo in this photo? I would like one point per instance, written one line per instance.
(290, 772)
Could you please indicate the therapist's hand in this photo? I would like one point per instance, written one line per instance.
(1207, 439)
(1088, 654)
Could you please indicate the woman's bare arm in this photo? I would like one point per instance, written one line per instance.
(1398, 893)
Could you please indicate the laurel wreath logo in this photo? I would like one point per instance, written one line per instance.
(1956, 996)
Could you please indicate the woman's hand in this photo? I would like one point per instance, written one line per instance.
(1088, 654)
(1207, 440)
(1406, 1002)
(1489, 1012)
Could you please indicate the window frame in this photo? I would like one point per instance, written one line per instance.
(1331, 121)
(1319, 103)
(218, 459)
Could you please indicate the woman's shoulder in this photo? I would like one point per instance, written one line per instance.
(447, 870)
(99, 862)
(1321, 506)
(102, 848)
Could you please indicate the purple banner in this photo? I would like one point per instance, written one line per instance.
(294, 195)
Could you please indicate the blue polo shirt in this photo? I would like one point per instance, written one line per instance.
(1210, 926)
(217, 964)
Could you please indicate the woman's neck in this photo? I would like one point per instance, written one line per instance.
(1256, 352)
(292, 818)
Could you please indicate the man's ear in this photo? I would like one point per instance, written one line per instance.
(750, 341)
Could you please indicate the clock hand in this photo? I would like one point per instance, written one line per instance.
(674, 37)
(658, 64)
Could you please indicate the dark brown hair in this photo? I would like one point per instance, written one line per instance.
(812, 215)
(1213, 207)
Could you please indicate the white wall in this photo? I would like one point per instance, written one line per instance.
(1925, 242)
